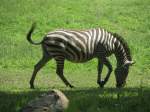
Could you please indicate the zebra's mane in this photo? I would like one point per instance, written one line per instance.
(125, 45)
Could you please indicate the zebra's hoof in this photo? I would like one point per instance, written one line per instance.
(32, 87)
(71, 86)
(101, 84)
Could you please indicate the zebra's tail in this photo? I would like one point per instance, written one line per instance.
(30, 33)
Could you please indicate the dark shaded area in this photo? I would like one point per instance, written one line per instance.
(12, 101)
(86, 100)
(110, 100)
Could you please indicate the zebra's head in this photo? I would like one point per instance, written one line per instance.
(124, 60)
(121, 74)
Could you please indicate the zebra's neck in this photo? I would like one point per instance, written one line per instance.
(121, 59)
(122, 51)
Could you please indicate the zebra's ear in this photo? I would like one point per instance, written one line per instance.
(130, 63)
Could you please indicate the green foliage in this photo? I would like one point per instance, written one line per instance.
(130, 19)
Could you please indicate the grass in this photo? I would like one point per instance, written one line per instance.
(17, 57)
(86, 100)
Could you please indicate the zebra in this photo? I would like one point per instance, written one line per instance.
(80, 46)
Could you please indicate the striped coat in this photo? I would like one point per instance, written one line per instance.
(80, 46)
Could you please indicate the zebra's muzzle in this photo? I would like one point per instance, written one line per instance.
(120, 85)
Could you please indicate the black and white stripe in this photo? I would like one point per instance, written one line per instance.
(81, 46)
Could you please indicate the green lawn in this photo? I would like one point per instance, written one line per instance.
(129, 18)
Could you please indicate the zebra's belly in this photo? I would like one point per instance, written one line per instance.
(79, 58)
(76, 57)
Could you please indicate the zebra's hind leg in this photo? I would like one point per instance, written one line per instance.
(59, 71)
(37, 67)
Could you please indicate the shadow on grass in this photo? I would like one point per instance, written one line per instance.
(86, 100)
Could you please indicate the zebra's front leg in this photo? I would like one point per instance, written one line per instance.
(99, 68)
(59, 71)
(109, 66)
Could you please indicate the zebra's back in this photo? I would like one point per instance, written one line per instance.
(78, 46)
